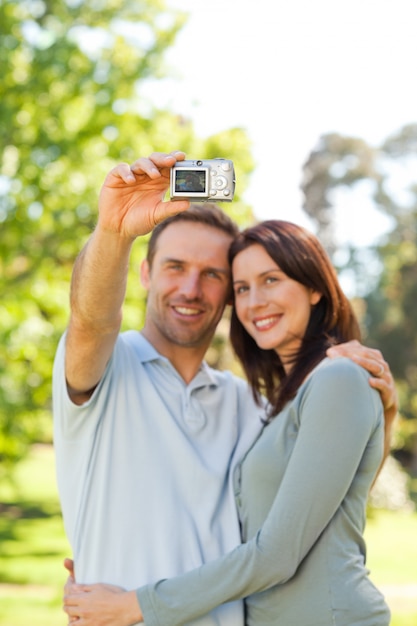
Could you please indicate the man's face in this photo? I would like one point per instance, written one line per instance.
(188, 286)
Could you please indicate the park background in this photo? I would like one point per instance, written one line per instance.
(316, 105)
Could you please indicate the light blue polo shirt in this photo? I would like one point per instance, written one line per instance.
(144, 468)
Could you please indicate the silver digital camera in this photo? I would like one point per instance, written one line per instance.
(202, 181)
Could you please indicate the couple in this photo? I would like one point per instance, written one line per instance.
(152, 445)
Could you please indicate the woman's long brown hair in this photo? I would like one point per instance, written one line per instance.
(299, 254)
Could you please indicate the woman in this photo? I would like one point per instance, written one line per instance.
(301, 490)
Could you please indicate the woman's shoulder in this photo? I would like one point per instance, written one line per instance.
(339, 377)
(341, 380)
(334, 368)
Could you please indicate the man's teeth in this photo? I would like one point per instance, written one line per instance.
(186, 311)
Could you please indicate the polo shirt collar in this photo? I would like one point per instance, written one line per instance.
(147, 352)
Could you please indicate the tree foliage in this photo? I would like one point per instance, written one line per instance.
(390, 298)
(71, 107)
(336, 162)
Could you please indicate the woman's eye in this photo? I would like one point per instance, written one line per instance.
(271, 279)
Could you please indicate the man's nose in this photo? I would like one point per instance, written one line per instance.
(191, 285)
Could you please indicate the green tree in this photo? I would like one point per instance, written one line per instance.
(71, 106)
(335, 162)
(390, 293)
(391, 305)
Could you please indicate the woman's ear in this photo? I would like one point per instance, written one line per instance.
(315, 297)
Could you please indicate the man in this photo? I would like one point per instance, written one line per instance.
(146, 434)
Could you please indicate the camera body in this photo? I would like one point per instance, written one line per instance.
(203, 181)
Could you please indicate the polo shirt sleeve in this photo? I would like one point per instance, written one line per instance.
(72, 421)
(338, 416)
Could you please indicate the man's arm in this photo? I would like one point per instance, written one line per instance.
(97, 293)
(105, 605)
(130, 205)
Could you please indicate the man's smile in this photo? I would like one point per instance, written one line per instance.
(187, 310)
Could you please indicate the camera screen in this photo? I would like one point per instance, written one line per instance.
(191, 181)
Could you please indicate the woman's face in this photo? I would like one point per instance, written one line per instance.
(273, 308)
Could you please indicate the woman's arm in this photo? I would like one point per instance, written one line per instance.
(339, 415)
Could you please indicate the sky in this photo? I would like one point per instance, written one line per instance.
(288, 72)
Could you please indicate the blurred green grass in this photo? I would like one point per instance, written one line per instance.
(391, 539)
(33, 546)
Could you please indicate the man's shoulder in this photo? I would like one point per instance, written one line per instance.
(132, 339)
(127, 342)
(133, 342)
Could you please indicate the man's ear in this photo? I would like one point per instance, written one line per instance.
(145, 273)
